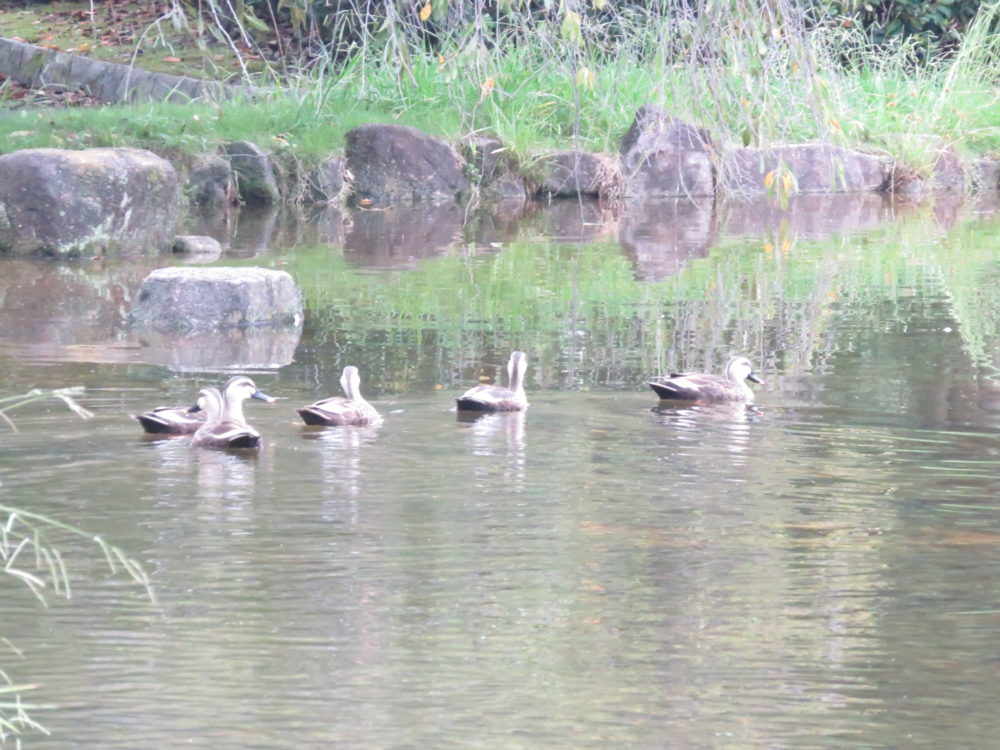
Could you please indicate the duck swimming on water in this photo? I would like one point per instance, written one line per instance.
(498, 398)
(699, 386)
(225, 425)
(337, 410)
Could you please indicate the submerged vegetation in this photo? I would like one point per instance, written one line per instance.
(753, 72)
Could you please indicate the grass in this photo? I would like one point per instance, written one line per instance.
(758, 75)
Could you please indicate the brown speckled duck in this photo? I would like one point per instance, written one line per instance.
(171, 420)
(699, 386)
(225, 425)
(337, 410)
(498, 398)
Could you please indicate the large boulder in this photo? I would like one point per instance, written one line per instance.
(396, 164)
(817, 167)
(199, 299)
(70, 203)
(664, 157)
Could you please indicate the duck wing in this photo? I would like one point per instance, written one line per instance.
(227, 434)
(170, 420)
(338, 411)
(693, 386)
(490, 398)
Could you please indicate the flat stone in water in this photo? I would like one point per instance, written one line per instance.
(193, 299)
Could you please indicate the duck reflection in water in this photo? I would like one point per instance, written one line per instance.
(499, 433)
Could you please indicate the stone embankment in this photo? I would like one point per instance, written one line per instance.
(62, 204)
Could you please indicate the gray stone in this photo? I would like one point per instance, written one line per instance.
(69, 203)
(664, 157)
(255, 178)
(396, 164)
(110, 82)
(210, 182)
(906, 183)
(984, 174)
(192, 299)
(569, 174)
(817, 167)
(949, 175)
(509, 190)
(203, 248)
(488, 159)
(326, 181)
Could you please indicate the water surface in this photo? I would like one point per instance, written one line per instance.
(816, 571)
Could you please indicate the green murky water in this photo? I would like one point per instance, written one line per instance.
(820, 571)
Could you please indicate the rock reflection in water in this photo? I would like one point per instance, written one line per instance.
(67, 303)
(576, 220)
(252, 348)
(254, 231)
(809, 216)
(498, 434)
(660, 237)
(398, 237)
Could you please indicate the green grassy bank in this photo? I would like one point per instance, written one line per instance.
(751, 74)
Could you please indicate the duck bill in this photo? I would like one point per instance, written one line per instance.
(261, 396)
(194, 409)
(754, 379)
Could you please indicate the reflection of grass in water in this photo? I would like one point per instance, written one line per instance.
(581, 303)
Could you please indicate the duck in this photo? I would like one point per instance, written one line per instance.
(699, 386)
(171, 420)
(498, 398)
(225, 425)
(337, 410)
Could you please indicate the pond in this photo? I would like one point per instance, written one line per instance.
(817, 571)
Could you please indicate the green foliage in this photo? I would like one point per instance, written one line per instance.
(753, 73)
(939, 23)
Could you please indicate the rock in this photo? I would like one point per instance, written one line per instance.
(818, 168)
(906, 183)
(255, 178)
(509, 190)
(204, 248)
(984, 174)
(396, 164)
(664, 157)
(69, 203)
(949, 175)
(326, 181)
(488, 159)
(570, 174)
(210, 182)
(193, 299)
